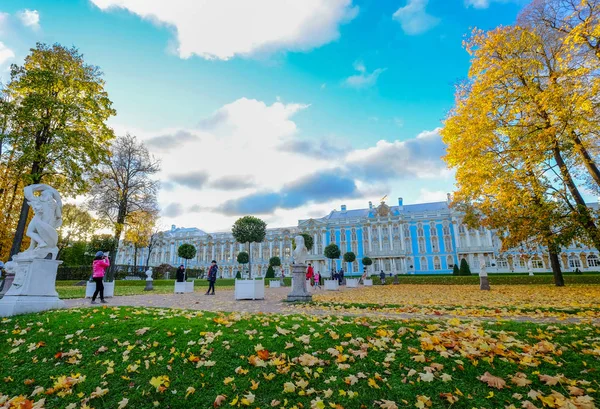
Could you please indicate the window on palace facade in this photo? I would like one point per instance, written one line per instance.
(355, 266)
(354, 248)
(406, 230)
(446, 229)
(461, 228)
(422, 245)
(432, 229)
(537, 262)
(574, 262)
(435, 245)
(420, 232)
(437, 264)
(424, 264)
(502, 263)
(407, 244)
(332, 236)
(353, 234)
(447, 243)
(522, 263)
(593, 260)
(286, 252)
(396, 230)
(450, 261)
(410, 263)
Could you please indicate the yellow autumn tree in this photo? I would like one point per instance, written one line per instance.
(516, 139)
(139, 231)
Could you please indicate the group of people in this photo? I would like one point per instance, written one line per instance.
(314, 278)
(338, 275)
(102, 262)
(211, 276)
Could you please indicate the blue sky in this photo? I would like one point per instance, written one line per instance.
(344, 94)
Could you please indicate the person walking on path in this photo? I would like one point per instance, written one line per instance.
(180, 274)
(382, 277)
(364, 276)
(341, 276)
(99, 266)
(212, 277)
(317, 280)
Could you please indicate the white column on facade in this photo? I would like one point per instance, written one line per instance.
(478, 237)
(204, 253)
(212, 254)
(402, 237)
(380, 237)
(231, 259)
(467, 235)
(281, 248)
(489, 237)
(369, 232)
(260, 248)
(270, 249)
(324, 239)
(393, 265)
(391, 233)
(222, 251)
(314, 249)
(172, 261)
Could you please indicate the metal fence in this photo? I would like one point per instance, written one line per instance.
(79, 273)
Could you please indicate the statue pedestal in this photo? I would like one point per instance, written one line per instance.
(299, 292)
(8, 280)
(33, 289)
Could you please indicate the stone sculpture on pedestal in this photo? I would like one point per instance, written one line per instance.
(34, 285)
(484, 282)
(299, 291)
(149, 281)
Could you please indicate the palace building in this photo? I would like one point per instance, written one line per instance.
(427, 238)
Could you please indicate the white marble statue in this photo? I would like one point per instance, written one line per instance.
(300, 252)
(47, 209)
(482, 270)
(149, 274)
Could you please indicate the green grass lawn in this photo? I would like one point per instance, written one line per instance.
(69, 289)
(145, 357)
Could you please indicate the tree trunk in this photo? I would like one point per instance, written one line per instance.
(585, 218)
(588, 161)
(135, 249)
(555, 263)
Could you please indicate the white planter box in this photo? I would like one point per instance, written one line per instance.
(352, 282)
(368, 283)
(332, 285)
(109, 289)
(275, 283)
(250, 289)
(184, 287)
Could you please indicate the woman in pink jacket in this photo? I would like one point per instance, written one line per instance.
(99, 266)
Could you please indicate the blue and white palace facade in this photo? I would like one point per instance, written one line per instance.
(427, 238)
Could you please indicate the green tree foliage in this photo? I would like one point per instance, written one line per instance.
(332, 251)
(465, 270)
(275, 261)
(56, 121)
(238, 275)
(270, 272)
(186, 251)
(249, 229)
(243, 257)
(367, 261)
(455, 270)
(77, 227)
(102, 242)
(349, 257)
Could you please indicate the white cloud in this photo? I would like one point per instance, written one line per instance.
(3, 22)
(363, 79)
(478, 4)
(428, 196)
(222, 29)
(5, 53)
(249, 156)
(414, 19)
(29, 18)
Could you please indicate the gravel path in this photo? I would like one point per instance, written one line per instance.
(274, 302)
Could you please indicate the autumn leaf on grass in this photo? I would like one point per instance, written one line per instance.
(141, 331)
(426, 377)
(575, 391)
(123, 403)
(282, 331)
(289, 387)
(449, 397)
(386, 404)
(219, 400)
(492, 381)
(190, 390)
(550, 380)
(161, 383)
(263, 354)
(248, 399)
(520, 379)
(423, 402)
(99, 392)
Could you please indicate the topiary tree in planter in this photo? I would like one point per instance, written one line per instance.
(349, 258)
(367, 261)
(455, 270)
(465, 270)
(275, 262)
(249, 229)
(332, 252)
(242, 258)
(187, 252)
(238, 275)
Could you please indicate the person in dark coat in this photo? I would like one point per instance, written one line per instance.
(382, 277)
(180, 274)
(341, 276)
(212, 277)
